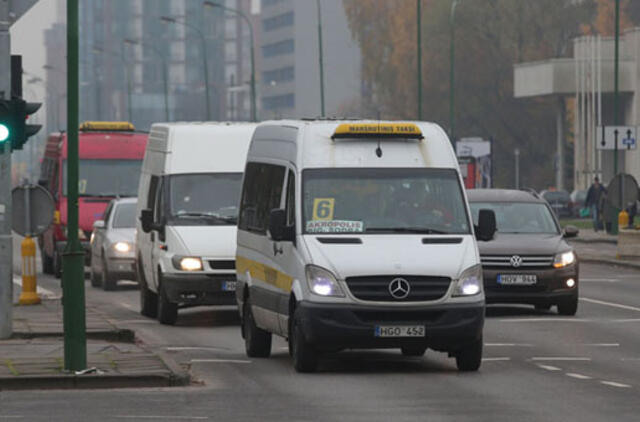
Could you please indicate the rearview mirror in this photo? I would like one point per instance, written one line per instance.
(99, 224)
(571, 231)
(486, 225)
(146, 220)
(278, 229)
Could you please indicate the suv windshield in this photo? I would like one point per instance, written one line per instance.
(518, 217)
(383, 200)
(125, 216)
(205, 199)
(106, 177)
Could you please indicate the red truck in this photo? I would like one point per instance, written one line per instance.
(111, 156)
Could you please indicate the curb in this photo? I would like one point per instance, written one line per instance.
(121, 335)
(618, 262)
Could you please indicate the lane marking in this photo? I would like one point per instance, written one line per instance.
(569, 319)
(508, 345)
(599, 280)
(126, 305)
(549, 367)
(612, 304)
(186, 348)
(219, 361)
(578, 376)
(495, 359)
(198, 418)
(559, 358)
(601, 344)
(615, 384)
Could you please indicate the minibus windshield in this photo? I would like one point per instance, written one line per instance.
(383, 200)
(205, 199)
(518, 217)
(106, 177)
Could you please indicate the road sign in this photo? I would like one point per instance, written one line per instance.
(625, 136)
(622, 191)
(39, 205)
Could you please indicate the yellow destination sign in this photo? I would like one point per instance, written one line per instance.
(391, 130)
(107, 126)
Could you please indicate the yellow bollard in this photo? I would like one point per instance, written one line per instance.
(623, 219)
(29, 295)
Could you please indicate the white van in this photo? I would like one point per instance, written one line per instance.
(187, 208)
(357, 234)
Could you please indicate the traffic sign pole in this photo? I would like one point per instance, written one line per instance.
(75, 341)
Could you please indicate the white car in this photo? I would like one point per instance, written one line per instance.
(112, 245)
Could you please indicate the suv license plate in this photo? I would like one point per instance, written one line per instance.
(229, 286)
(399, 331)
(517, 279)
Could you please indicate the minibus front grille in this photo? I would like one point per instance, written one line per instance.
(222, 264)
(376, 288)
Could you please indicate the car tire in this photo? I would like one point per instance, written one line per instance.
(305, 357)
(167, 310)
(57, 264)
(148, 299)
(257, 342)
(569, 306)
(109, 283)
(416, 351)
(47, 263)
(95, 279)
(470, 358)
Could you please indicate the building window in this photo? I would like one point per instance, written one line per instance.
(283, 74)
(285, 19)
(278, 48)
(277, 102)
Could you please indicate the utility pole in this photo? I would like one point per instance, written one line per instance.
(6, 242)
(320, 58)
(516, 153)
(419, 47)
(73, 301)
(452, 67)
(616, 94)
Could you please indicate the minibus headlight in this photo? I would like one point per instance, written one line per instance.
(122, 247)
(322, 282)
(187, 263)
(564, 259)
(470, 282)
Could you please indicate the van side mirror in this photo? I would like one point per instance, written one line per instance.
(570, 231)
(99, 224)
(486, 225)
(278, 230)
(146, 220)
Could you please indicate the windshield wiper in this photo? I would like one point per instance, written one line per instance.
(416, 230)
(209, 216)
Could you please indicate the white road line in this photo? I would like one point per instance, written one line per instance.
(508, 345)
(615, 305)
(546, 320)
(601, 344)
(578, 376)
(187, 348)
(627, 320)
(549, 367)
(559, 358)
(219, 361)
(199, 418)
(495, 359)
(599, 280)
(126, 305)
(615, 384)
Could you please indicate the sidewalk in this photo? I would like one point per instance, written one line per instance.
(599, 247)
(34, 357)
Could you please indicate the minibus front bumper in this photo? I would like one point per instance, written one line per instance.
(200, 289)
(448, 327)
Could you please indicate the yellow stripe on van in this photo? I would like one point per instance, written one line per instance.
(264, 273)
(387, 130)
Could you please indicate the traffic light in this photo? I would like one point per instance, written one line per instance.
(14, 128)
(8, 123)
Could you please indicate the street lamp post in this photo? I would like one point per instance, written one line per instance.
(419, 47)
(169, 19)
(254, 110)
(320, 58)
(99, 49)
(165, 83)
(452, 75)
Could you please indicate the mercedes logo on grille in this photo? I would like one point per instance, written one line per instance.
(516, 261)
(399, 288)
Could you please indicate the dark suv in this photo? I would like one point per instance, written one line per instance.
(528, 261)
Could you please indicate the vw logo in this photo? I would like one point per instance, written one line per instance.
(399, 288)
(516, 261)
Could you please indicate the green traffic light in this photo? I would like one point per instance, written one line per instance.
(4, 132)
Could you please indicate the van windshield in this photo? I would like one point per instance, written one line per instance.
(205, 199)
(383, 200)
(106, 177)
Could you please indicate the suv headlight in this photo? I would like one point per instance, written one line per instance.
(470, 282)
(187, 263)
(122, 247)
(322, 282)
(564, 259)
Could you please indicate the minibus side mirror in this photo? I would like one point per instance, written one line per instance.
(278, 230)
(570, 231)
(146, 220)
(486, 225)
(99, 224)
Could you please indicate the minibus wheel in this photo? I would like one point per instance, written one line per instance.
(167, 310)
(305, 357)
(469, 359)
(257, 341)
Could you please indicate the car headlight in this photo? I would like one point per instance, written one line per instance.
(564, 259)
(122, 247)
(322, 282)
(470, 282)
(187, 263)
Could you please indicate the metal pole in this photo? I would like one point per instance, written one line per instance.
(128, 80)
(616, 94)
(73, 301)
(452, 75)
(206, 73)
(516, 152)
(560, 143)
(419, 47)
(320, 58)
(6, 241)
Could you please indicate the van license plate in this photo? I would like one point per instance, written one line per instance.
(517, 279)
(229, 286)
(399, 331)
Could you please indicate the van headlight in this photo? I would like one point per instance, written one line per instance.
(470, 282)
(187, 263)
(122, 247)
(322, 282)
(564, 259)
